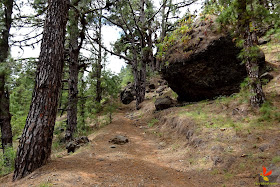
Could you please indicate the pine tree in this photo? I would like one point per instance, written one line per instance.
(74, 50)
(5, 116)
(135, 18)
(35, 144)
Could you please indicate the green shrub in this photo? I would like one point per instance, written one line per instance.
(7, 161)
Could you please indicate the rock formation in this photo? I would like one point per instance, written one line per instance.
(206, 66)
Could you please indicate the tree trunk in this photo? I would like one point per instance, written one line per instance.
(5, 116)
(5, 122)
(73, 76)
(252, 66)
(82, 102)
(163, 23)
(257, 98)
(35, 144)
(99, 61)
(141, 75)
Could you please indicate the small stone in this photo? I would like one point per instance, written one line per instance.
(217, 160)
(217, 148)
(112, 146)
(163, 144)
(189, 134)
(119, 139)
(264, 147)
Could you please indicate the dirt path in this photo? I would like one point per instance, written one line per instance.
(136, 163)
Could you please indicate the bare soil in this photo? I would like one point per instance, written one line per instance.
(137, 163)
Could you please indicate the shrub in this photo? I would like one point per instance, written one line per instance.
(7, 161)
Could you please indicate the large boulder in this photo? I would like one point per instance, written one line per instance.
(128, 93)
(164, 103)
(206, 66)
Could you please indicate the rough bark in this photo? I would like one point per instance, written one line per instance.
(82, 102)
(252, 65)
(99, 61)
(35, 144)
(73, 76)
(5, 116)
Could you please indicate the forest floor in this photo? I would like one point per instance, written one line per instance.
(137, 163)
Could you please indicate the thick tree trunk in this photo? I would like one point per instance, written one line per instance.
(73, 76)
(82, 102)
(99, 61)
(5, 116)
(35, 144)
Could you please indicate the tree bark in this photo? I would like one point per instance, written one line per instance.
(5, 116)
(82, 102)
(99, 61)
(141, 78)
(35, 144)
(73, 76)
(252, 65)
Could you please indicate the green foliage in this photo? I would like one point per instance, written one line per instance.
(125, 75)
(153, 122)
(268, 113)
(88, 108)
(10, 155)
(212, 8)
(252, 53)
(180, 34)
(20, 84)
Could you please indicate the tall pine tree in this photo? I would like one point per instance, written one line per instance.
(35, 144)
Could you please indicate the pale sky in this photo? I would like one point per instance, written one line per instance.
(110, 35)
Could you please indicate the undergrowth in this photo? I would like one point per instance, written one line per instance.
(153, 122)
(7, 161)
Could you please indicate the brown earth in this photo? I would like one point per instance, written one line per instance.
(137, 163)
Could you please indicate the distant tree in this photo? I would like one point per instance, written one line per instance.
(76, 38)
(6, 8)
(35, 144)
(135, 18)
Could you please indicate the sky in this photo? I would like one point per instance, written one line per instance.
(110, 35)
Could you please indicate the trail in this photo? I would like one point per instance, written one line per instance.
(133, 164)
